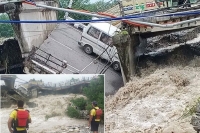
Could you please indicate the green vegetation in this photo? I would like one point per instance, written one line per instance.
(72, 112)
(124, 32)
(98, 6)
(190, 109)
(94, 92)
(5, 28)
(80, 103)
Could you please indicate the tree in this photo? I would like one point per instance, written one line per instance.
(6, 29)
(98, 6)
(95, 91)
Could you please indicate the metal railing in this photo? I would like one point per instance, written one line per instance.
(43, 61)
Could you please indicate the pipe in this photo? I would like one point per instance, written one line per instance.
(115, 19)
(165, 15)
(167, 25)
(72, 11)
(44, 67)
(7, 2)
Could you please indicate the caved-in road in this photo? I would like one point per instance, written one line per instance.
(63, 44)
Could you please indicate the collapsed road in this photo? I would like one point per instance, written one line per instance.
(62, 45)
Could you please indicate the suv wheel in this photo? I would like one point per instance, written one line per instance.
(88, 49)
(116, 66)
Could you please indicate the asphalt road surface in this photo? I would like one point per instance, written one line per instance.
(63, 44)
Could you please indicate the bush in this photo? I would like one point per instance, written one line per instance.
(95, 91)
(190, 109)
(80, 103)
(89, 107)
(72, 112)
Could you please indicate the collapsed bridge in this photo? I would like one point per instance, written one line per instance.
(150, 20)
(33, 89)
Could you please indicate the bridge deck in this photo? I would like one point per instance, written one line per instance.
(63, 87)
(163, 21)
(8, 77)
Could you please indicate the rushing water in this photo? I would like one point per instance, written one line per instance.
(47, 105)
(154, 102)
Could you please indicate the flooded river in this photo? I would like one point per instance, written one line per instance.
(49, 116)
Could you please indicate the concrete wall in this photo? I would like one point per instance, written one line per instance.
(29, 34)
(34, 93)
(10, 83)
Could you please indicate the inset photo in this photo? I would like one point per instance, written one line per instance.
(52, 103)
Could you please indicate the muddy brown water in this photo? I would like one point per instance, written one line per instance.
(155, 101)
(47, 105)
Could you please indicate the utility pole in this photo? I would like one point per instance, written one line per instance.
(69, 7)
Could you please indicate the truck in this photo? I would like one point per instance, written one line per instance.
(138, 6)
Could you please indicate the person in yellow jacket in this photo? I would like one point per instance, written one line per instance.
(19, 119)
(94, 123)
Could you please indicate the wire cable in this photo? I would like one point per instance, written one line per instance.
(109, 55)
(107, 40)
(101, 20)
(95, 58)
(107, 65)
(22, 80)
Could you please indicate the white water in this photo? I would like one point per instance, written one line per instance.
(195, 40)
(153, 103)
(46, 106)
